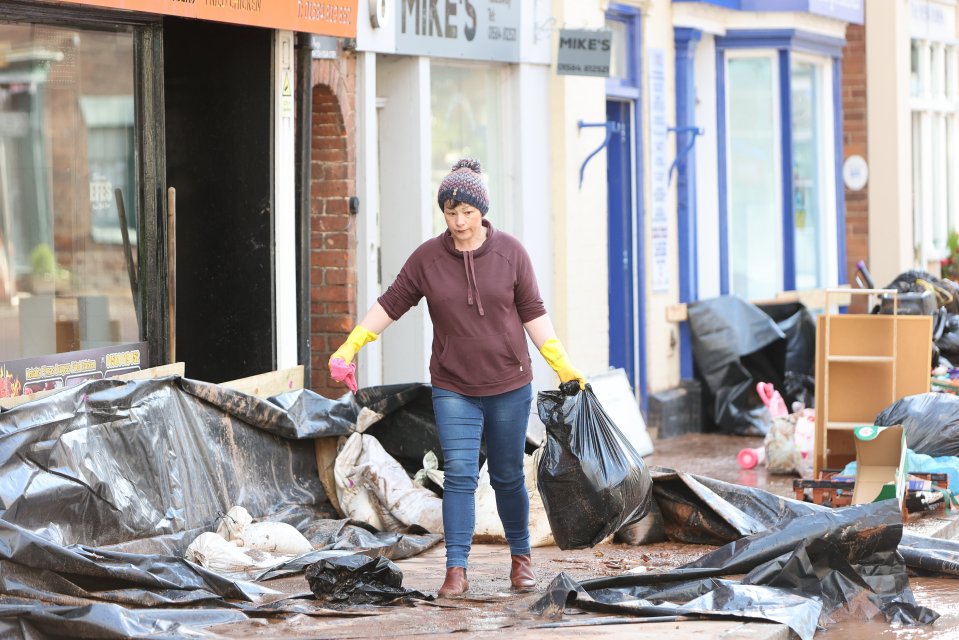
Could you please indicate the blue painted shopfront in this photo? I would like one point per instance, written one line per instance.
(627, 341)
(778, 136)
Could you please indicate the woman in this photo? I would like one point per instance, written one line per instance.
(481, 293)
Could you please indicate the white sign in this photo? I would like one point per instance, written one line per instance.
(855, 173)
(471, 29)
(659, 167)
(583, 52)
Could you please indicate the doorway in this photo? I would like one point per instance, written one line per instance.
(624, 249)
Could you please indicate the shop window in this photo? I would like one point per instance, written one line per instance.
(934, 108)
(467, 121)
(619, 58)
(66, 140)
(779, 144)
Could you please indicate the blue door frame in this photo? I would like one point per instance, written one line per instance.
(627, 291)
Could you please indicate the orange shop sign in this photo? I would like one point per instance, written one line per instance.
(324, 17)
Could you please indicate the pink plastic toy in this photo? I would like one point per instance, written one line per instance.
(749, 458)
(342, 372)
(771, 398)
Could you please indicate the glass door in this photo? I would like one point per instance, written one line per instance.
(809, 202)
(753, 160)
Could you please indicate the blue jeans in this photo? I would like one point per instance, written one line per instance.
(463, 423)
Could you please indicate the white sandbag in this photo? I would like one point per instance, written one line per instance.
(234, 522)
(489, 528)
(279, 538)
(355, 498)
(274, 537)
(214, 552)
(406, 501)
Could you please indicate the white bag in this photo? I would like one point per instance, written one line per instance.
(430, 472)
(213, 552)
(407, 502)
(274, 537)
(352, 491)
(489, 528)
(234, 522)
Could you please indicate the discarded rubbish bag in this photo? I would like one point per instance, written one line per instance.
(789, 444)
(931, 422)
(799, 328)
(701, 510)
(736, 345)
(591, 480)
(358, 579)
(372, 487)
(796, 575)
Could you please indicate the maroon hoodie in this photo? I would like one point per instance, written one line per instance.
(478, 301)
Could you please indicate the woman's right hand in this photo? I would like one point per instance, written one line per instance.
(342, 367)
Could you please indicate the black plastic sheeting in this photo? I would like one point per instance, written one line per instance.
(702, 510)
(736, 345)
(797, 574)
(590, 477)
(358, 580)
(102, 620)
(104, 485)
(931, 422)
(147, 466)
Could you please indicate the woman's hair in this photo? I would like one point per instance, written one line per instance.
(452, 204)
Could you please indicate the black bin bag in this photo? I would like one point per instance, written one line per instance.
(930, 420)
(591, 479)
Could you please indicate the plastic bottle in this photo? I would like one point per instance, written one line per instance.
(749, 458)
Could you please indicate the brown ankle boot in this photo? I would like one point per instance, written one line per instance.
(521, 574)
(455, 584)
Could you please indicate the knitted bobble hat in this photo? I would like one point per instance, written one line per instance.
(464, 183)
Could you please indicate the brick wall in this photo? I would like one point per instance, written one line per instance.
(332, 228)
(854, 143)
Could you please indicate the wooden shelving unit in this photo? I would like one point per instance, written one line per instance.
(864, 363)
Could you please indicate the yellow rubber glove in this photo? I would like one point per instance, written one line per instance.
(356, 340)
(556, 356)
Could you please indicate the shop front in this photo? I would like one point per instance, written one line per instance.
(764, 208)
(104, 106)
(438, 83)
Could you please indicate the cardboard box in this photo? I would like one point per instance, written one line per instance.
(880, 460)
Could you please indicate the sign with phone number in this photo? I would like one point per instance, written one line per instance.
(324, 17)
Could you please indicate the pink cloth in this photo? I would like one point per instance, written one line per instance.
(342, 372)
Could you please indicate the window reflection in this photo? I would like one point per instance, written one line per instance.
(467, 122)
(66, 145)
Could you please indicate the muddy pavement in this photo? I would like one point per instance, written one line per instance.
(491, 610)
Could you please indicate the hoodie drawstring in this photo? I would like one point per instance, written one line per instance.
(471, 282)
